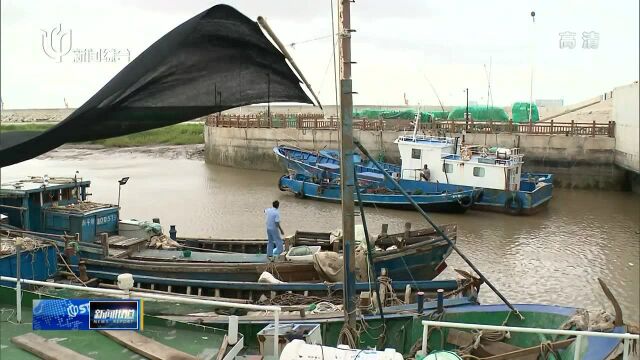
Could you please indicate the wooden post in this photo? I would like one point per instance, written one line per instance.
(572, 127)
(593, 129)
(104, 240)
(315, 122)
(612, 128)
(385, 228)
(551, 127)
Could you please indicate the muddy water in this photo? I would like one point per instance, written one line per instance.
(554, 257)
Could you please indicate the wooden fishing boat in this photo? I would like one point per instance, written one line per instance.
(412, 255)
(402, 329)
(420, 258)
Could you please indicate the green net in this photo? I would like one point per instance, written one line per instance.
(479, 113)
(376, 114)
(520, 112)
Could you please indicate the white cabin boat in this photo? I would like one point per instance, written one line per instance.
(498, 171)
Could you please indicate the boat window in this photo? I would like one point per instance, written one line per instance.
(448, 168)
(415, 153)
(53, 195)
(478, 171)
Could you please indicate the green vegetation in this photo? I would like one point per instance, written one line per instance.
(180, 134)
(25, 127)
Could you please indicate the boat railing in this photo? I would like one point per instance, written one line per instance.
(434, 139)
(579, 335)
(161, 297)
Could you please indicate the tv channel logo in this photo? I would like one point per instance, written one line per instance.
(115, 315)
(86, 314)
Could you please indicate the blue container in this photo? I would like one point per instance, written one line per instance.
(39, 264)
(89, 224)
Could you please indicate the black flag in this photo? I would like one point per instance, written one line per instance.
(217, 60)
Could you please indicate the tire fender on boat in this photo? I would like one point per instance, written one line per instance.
(280, 186)
(300, 194)
(478, 196)
(465, 201)
(513, 204)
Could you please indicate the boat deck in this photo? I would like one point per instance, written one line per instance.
(196, 256)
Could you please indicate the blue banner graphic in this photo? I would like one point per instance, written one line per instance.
(85, 314)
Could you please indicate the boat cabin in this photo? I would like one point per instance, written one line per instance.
(448, 162)
(56, 206)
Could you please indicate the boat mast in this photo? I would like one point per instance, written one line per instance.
(347, 187)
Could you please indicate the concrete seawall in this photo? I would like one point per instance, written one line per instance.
(583, 162)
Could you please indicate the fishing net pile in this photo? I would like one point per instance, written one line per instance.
(8, 246)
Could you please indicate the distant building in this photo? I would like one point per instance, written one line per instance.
(550, 103)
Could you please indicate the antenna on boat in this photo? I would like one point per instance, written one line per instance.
(434, 92)
(347, 178)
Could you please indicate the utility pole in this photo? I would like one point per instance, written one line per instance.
(466, 114)
(531, 55)
(347, 177)
(269, 98)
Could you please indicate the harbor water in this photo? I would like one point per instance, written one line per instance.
(554, 257)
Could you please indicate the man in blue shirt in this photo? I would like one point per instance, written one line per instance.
(273, 226)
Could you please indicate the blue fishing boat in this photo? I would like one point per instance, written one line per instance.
(429, 196)
(316, 175)
(493, 174)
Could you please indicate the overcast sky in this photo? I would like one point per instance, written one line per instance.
(397, 45)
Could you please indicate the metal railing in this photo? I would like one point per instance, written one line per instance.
(142, 295)
(320, 122)
(578, 334)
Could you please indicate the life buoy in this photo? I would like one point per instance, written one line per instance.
(466, 201)
(513, 204)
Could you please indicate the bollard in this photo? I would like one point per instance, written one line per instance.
(440, 300)
(173, 232)
(420, 301)
(232, 336)
(18, 245)
(104, 241)
(82, 269)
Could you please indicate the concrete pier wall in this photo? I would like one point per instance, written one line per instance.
(577, 161)
(626, 109)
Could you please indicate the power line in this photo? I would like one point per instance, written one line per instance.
(293, 44)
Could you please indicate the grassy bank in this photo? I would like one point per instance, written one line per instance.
(180, 134)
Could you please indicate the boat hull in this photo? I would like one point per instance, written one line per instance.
(534, 194)
(37, 264)
(452, 203)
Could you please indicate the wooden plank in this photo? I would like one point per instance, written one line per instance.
(485, 348)
(223, 348)
(44, 349)
(145, 346)
(531, 352)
